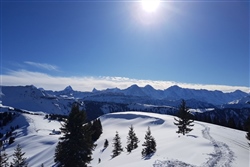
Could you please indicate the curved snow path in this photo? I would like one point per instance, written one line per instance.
(222, 157)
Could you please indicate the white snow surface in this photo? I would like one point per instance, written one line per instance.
(207, 145)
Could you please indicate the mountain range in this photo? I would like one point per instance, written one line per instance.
(138, 106)
(216, 104)
(19, 95)
(172, 93)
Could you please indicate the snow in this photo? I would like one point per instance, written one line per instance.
(33, 136)
(31, 98)
(201, 110)
(207, 145)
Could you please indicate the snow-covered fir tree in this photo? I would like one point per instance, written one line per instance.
(117, 146)
(184, 121)
(149, 144)
(132, 140)
(4, 159)
(247, 128)
(75, 146)
(18, 159)
(96, 128)
(106, 144)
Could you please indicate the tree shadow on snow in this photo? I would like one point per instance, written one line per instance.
(148, 156)
(192, 136)
(102, 150)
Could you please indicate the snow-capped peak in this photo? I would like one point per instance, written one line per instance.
(134, 90)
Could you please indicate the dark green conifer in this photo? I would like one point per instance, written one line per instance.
(117, 146)
(132, 140)
(247, 128)
(4, 159)
(75, 146)
(106, 144)
(149, 144)
(18, 159)
(231, 123)
(184, 121)
(96, 129)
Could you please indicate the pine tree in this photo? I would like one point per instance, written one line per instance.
(247, 124)
(18, 159)
(97, 129)
(3, 159)
(132, 140)
(149, 144)
(184, 119)
(106, 144)
(231, 123)
(247, 127)
(75, 146)
(248, 137)
(117, 146)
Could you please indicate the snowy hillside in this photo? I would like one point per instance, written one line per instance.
(33, 136)
(207, 145)
(31, 98)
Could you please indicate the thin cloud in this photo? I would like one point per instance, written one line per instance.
(42, 65)
(87, 83)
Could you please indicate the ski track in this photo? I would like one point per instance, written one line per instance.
(222, 157)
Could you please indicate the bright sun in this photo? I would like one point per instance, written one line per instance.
(150, 5)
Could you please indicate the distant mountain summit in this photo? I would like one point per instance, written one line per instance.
(68, 89)
(134, 90)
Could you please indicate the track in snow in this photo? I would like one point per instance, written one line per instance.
(222, 157)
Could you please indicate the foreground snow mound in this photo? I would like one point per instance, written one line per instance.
(207, 145)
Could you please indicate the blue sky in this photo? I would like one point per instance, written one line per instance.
(91, 43)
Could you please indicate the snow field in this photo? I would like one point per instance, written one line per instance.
(191, 150)
(33, 136)
(207, 145)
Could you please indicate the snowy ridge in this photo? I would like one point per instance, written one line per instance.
(59, 102)
(144, 99)
(149, 93)
(31, 98)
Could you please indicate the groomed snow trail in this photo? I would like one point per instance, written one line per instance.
(222, 157)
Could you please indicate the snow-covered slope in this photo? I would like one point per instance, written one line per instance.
(239, 103)
(33, 136)
(207, 145)
(31, 98)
